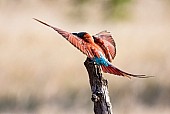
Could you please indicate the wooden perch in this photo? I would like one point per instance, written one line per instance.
(99, 88)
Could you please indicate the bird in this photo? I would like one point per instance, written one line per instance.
(100, 48)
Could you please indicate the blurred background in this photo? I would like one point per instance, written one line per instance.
(40, 72)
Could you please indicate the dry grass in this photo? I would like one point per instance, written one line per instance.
(43, 73)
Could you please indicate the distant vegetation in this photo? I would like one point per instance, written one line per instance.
(110, 9)
(41, 73)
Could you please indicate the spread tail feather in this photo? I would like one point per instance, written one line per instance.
(113, 70)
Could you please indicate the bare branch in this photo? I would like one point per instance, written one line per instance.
(99, 88)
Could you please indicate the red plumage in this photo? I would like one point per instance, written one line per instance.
(93, 46)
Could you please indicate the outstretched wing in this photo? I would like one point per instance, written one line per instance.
(107, 42)
(76, 41)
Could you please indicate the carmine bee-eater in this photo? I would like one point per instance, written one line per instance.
(100, 48)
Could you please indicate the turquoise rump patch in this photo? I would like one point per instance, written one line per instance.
(101, 61)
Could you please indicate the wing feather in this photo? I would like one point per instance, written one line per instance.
(74, 40)
(106, 36)
(108, 42)
(111, 48)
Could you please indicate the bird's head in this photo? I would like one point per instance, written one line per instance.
(81, 35)
(85, 36)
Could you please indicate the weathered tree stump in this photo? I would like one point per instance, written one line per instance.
(99, 88)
